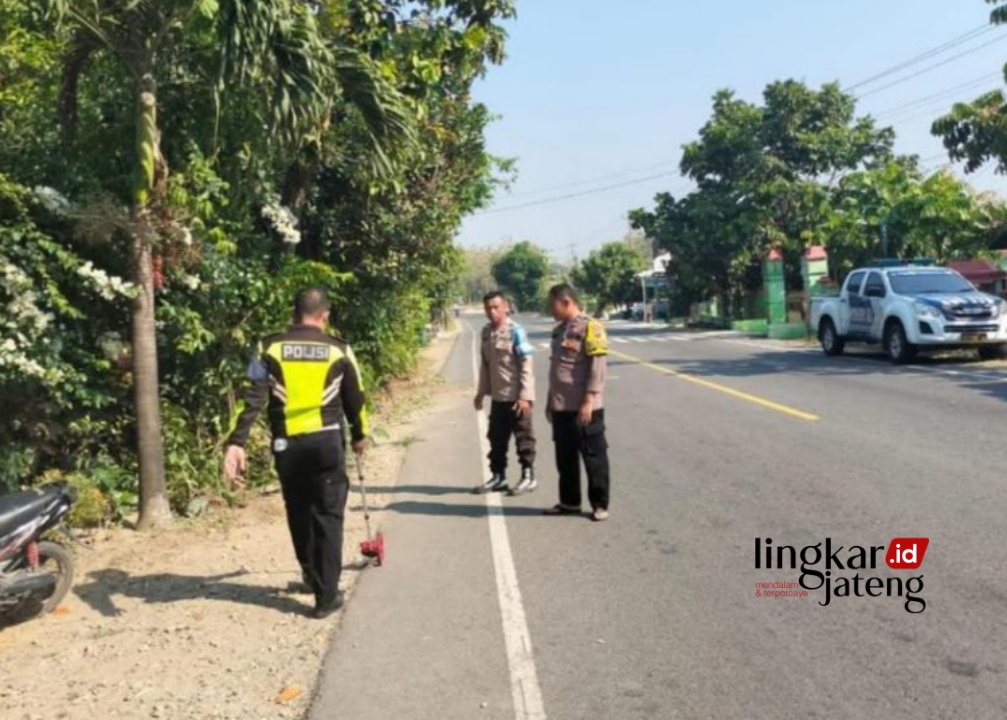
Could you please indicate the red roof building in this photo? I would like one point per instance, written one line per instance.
(983, 274)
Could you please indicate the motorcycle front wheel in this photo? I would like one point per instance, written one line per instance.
(55, 559)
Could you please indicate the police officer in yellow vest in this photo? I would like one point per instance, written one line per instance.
(312, 384)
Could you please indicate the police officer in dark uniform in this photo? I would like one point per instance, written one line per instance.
(312, 384)
(575, 404)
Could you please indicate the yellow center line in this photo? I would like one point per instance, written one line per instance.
(785, 409)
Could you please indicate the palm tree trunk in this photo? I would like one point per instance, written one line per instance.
(154, 508)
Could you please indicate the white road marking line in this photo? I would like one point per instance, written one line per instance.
(545, 346)
(525, 690)
(621, 340)
(640, 339)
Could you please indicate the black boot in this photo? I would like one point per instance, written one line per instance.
(324, 608)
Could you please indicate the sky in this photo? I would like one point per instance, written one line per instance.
(598, 94)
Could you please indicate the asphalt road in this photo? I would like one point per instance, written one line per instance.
(714, 442)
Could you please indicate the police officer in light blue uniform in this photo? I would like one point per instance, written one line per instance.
(506, 374)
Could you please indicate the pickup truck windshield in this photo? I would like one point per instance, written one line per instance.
(924, 283)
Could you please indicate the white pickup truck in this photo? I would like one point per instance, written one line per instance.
(908, 308)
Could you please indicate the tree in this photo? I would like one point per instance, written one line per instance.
(711, 245)
(764, 175)
(274, 44)
(521, 271)
(640, 243)
(609, 275)
(976, 132)
(896, 211)
(359, 186)
(478, 274)
(775, 163)
(397, 230)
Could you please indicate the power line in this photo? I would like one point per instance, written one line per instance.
(599, 235)
(902, 119)
(898, 110)
(925, 55)
(930, 68)
(928, 160)
(930, 164)
(944, 94)
(599, 178)
(902, 122)
(583, 193)
(983, 172)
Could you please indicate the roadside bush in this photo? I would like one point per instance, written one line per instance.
(92, 508)
(366, 203)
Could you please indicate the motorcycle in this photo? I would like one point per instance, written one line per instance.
(35, 574)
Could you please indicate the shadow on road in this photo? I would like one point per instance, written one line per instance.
(410, 489)
(964, 372)
(449, 510)
(106, 585)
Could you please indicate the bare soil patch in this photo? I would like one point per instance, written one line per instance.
(197, 621)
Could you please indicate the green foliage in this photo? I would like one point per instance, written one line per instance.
(521, 272)
(895, 211)
(801, 169)
(117, 483)
(609, 275)
(373, 153)
(93, 503)
(477, 278)
(16, 464)
(975, 132)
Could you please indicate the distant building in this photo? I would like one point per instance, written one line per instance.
(984, 274)
(652, 283)
(656, 277)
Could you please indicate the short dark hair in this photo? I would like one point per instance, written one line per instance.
(311, 302)
(564, 291)
(493, 295)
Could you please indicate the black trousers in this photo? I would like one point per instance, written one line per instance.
(312, 472)
(504, 422)
(574, 442)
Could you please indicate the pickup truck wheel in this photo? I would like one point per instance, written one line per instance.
(832, 344)
(993, 352)
(896, 345)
